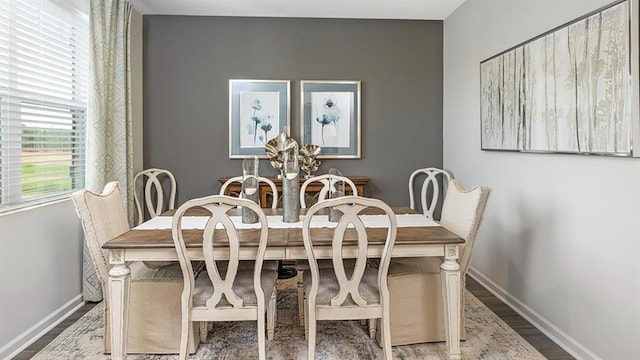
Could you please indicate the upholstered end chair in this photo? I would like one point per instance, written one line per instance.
(415, 285)
(154, 326)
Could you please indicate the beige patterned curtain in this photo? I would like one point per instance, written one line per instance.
(109, 144)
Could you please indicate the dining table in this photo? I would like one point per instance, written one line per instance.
(417, 236)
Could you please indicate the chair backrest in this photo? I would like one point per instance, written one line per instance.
(329, 182)
(219, 221)
(103, 217)
(430, 191)
(154, 195)
(272, 185)
(351, 207)
(462, 214)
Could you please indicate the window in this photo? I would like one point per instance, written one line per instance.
(43, 101)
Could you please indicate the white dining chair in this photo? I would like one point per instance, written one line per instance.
(328, 182)
(239, 295)
(271, 184)
(269, 264)
(342, 291)
(153, 192)
(430, 190)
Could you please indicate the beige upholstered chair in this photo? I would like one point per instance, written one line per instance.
(272, 185)
(430, 189)
(415, 283)
(239, 295)
(153, 324)
(153, 193)
(343, 292)
(328, 182)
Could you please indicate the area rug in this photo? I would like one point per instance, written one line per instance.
(488, 337)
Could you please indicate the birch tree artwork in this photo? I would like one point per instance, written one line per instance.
(567, 91)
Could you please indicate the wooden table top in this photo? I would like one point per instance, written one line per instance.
(285, 237)
(357, 180)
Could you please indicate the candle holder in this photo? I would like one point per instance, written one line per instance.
(250, 184)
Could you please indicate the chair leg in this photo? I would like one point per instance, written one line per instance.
(262, 346)
(184, 338)
(310, 320)
(301, 298)
(386, 334)
(271, 315)
(373, 324)
(204, 330)
(306, 319)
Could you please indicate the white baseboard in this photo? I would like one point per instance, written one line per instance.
(569, 344)
(35, 332)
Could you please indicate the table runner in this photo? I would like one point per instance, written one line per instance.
(275, 222)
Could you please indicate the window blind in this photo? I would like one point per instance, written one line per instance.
(43, 101)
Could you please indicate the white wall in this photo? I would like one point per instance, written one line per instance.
(561, 236)
(41, 266)
(41, 248)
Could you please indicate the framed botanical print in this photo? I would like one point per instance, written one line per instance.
(258, 111)
(330, 117)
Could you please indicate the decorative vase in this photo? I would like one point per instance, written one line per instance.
(336, 190)
(291, 184)
(250, 184)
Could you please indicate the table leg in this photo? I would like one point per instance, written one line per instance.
(450, 272)
(119, 279)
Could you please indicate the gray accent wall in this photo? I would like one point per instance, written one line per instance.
(188, 61)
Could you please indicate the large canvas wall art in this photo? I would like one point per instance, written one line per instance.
(570, 90)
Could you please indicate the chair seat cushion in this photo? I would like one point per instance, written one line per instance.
(140, 272)
(242, 286)
(172, 272)
(414, 265)
(328, 286)
(248, 264)
(156, 264)
(303, 265)
(266, 265)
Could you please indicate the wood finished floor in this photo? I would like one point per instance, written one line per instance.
(534, 336)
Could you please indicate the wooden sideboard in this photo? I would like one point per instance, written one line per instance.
(311, 192)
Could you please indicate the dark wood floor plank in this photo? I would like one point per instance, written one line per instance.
(39, 344)
(520, 325)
